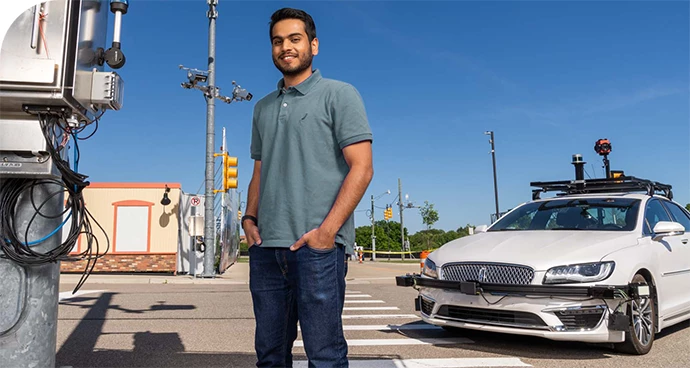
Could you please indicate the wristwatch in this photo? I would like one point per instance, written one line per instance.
(249, 217)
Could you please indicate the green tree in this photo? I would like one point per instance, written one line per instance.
(387, 236)
(429, 217)
(687, 206)
(429, 214)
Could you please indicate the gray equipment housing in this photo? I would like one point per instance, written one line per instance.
(52, 59)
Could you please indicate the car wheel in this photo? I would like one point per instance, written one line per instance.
(640, 335)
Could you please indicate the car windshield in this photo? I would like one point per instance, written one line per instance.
(607, 214)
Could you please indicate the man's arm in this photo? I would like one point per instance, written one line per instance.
(359, 158)
(251, 230)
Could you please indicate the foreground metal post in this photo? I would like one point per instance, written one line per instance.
(29, 294)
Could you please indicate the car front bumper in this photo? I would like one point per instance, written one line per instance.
(567, 313)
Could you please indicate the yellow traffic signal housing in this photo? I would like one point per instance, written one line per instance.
(239, 214)
(388, 213)
(229, 172)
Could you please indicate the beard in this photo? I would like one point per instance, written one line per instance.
(305, 61)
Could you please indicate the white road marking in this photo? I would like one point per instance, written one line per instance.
(352, 292)
(357, 296)
(429, 363)
(66, 295)
(369, 308)
(397, 342)
(379, 316)
(418, 326)
(364, 301)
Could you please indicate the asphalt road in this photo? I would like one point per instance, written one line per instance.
(158, 321)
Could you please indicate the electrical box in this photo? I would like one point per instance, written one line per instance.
(52, 55)
(196, 226)
(52, 61)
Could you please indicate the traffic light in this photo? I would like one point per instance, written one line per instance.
(388, 213)
(229, 172)
(239, 215)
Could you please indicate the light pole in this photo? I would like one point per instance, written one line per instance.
(493, 158)
(373, 233)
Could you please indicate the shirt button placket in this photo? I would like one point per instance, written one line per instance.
(283, 110)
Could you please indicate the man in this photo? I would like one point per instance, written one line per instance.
(311, 143)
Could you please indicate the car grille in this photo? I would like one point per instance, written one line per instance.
(586, 318)
(426, 305)
(490, 273)
(491, 317)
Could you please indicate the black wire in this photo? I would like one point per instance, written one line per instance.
(73, 183)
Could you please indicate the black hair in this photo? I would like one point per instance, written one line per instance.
(290, 13)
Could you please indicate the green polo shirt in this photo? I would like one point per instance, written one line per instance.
(298, 133)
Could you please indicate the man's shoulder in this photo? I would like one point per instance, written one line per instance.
(266, 100)
(334, 84)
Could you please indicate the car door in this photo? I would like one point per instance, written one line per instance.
(672, 261)
(682, 217)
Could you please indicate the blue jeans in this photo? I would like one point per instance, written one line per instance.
(307, 285)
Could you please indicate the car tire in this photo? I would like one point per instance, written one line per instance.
(639, 337)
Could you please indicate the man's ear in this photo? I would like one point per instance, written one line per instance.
(315, 46)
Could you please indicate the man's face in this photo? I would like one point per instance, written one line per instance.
(292, 51)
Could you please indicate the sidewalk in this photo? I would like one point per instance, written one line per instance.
(238, 274)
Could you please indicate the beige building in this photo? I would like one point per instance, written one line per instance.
(142, 233)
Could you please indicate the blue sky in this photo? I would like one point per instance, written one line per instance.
(549, 78)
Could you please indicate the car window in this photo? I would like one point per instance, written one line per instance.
(678, 214)
(607, 214)
(654, 213)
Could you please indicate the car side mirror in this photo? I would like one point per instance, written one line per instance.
(480, 229)
(667, 228)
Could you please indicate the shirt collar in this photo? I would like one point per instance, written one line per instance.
(303, 87)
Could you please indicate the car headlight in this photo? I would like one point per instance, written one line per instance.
(430, 269)
(586, 272)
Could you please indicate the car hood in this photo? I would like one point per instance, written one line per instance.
(540, 250)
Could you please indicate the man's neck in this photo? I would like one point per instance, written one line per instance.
(293, 80)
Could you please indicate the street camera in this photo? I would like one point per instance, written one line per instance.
(195, 75)
(239, 93)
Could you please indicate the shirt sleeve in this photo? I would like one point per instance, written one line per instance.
(349, 117)
(255, 147)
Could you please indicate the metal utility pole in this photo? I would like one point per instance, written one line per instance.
(211, 92)
(209, 233)
(373, 234)
(402, 224)
(493, 158)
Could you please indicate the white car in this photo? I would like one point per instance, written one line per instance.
(598, 263)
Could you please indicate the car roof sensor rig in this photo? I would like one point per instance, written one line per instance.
(614, 182)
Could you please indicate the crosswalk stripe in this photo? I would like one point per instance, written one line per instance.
(365, 301)
(357, 296)
(379, 316)
(397, 342)
(66, 295)
(352, 292)
(369, 308)
(390, 327)
(418, 326)
(429, 363)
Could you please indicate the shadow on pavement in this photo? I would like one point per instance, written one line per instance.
(541, 348)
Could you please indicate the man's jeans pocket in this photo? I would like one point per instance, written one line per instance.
(321, 250)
